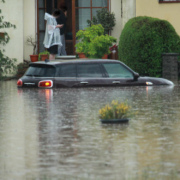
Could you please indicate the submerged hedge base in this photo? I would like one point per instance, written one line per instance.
(142, 42)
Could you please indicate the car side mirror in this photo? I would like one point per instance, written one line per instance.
(136, 76)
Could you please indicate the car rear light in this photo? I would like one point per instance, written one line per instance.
(45, 84)
(19, 83)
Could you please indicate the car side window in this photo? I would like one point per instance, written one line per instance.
(89, 70)
(66, 70)
(116, 70)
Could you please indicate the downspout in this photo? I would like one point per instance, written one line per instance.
(121, 8)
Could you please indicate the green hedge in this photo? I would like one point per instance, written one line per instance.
(142, 42)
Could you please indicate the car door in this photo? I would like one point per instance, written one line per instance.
(66, 76)
(119, 75)
(90, 75)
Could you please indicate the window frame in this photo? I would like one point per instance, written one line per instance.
(162, 1)
(107, 75)
(91, 7)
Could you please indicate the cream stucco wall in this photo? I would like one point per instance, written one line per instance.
(22, 13)
(166, 11)
(116, 8)
(129, 10)
(12, 10)
(122, 15)
(29, 25)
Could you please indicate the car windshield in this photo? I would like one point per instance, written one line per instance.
(40, 71)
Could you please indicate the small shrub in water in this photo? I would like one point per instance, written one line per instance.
(115, 110)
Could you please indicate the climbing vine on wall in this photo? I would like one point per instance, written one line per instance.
(7, 65)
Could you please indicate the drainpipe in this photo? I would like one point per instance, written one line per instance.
(121, 8)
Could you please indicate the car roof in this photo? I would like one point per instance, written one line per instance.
(69, 61)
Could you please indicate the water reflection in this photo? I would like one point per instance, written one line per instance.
(56, 134)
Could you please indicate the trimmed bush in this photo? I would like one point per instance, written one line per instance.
(142, 42)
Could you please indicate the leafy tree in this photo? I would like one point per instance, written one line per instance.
(105, 18)
(7, 65)
(142, 42)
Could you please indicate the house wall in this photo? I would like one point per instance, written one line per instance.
(116, 8)
(22, 13)
(166, 11)
(29, 25)
(129, 10)
(12, 10)
(124, 10)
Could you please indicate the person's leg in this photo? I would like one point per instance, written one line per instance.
(60, 47)
(63, 48)
(59, 50)
(52, 57)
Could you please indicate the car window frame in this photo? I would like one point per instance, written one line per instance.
(88, 63)
(107, 75)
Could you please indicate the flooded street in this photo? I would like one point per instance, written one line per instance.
(56, 134)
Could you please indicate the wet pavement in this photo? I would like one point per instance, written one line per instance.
(56, 134)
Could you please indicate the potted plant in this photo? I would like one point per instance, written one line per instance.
(105, 18)
(115, 112)
(93, 43)
(43, 56)
(33, 43)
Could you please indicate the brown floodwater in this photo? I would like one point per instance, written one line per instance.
(56, 134)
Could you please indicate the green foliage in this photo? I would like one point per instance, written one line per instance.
(142, 42)
(7, 65)
(105, 18)
(43, 53)
(93, 43)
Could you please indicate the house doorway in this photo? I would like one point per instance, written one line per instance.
(69, 26)
(79, 11)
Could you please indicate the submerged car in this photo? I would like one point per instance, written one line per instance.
(84, 73)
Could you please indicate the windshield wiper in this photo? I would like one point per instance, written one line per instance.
(33, 75)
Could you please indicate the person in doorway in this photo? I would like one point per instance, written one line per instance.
(62, 20)
(52, 35)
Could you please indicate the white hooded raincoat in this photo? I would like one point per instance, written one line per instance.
(52, 34)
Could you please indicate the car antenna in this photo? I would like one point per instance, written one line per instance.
(46, 60)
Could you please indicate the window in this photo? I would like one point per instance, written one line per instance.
(40, 71)
(89, 70)
(86, 9)
(117, 71)
(67, 70)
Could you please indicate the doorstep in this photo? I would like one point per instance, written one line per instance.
(66, 57)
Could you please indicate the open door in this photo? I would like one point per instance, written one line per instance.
(69, 27)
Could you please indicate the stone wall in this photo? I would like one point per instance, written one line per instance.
(170, 66)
